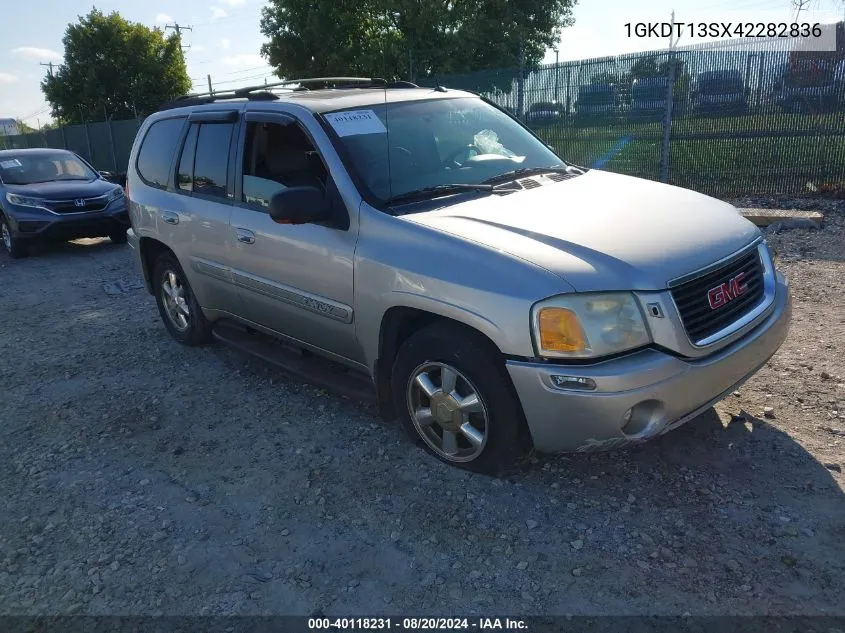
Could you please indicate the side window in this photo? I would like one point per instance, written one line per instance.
(277, 156)
(212, 159)
(157, 149)
(185, 175)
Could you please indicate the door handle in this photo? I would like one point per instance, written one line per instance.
(246, 236)
(169, 217)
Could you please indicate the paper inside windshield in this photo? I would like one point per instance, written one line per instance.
(355, 122)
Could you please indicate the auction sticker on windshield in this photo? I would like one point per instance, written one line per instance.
(9, 164)
(355, 122)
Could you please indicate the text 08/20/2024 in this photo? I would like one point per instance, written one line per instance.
(416, 624)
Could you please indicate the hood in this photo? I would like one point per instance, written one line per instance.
(602, 231)
(62, 190)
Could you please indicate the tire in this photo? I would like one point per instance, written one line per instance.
(118, 237)
(169, 281)
(13, 245)
(497, 418)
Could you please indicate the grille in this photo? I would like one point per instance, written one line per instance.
(528, 183)
(699, 319)
(69, 206)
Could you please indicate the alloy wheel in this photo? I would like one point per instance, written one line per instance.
(7, 235)
(174, 297)
(448, 412)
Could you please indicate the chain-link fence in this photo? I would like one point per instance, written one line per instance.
(722, 119)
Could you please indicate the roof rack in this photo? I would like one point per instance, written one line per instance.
(261, 92)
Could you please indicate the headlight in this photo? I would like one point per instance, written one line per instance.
(588, 325)
(25, 201)
(116, 194)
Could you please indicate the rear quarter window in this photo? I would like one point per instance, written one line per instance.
(157, 151)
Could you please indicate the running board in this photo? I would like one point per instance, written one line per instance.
(309, 367)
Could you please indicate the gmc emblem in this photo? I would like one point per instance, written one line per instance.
(728, 291)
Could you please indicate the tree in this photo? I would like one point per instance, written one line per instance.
(115, 68)
(411, 39)
(23, 128)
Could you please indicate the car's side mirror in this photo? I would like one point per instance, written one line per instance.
(299, 205)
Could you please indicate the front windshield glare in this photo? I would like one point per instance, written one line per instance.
(406, 146)
(25, 169)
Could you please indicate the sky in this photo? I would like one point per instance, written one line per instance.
(225, 39)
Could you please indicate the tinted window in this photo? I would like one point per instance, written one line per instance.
(277, 156)
(185, 175)
(157, 149)
(212, 159)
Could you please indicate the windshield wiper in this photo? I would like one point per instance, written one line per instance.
(530, 171)
(427, 193)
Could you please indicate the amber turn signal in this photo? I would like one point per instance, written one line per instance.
(560, 331)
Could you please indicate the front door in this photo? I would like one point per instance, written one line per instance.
(293, 279)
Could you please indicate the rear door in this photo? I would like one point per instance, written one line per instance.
(199, 217)
(293, 279)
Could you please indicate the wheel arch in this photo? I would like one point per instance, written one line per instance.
(150, 250)
(398, 324)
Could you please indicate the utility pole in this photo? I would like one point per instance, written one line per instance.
(179, 28)
(667, 118)
(557, 76)
(50, 66)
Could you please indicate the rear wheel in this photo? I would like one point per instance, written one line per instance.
(177, 305)
(453, 394)
(13, 245)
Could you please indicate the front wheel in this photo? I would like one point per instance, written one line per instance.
(453, 394)
(177, 305)
(13, 245)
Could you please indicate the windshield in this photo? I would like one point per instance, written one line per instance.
(649, 93)
(397, 148)
(720, 86)
(25, 168)
(594, 96)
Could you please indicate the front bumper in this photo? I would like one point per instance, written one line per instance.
(36, 225)
(662, 391)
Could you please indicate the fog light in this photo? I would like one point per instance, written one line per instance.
(643, 419)
(573, 382)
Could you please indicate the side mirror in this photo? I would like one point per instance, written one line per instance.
(299, 205)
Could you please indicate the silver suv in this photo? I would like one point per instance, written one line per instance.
(423, 248)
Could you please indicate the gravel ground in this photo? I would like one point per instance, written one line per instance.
(141, 477)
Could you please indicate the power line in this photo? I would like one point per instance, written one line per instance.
(179, 28)
(35, 114)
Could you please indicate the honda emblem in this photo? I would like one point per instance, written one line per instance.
(79, 202)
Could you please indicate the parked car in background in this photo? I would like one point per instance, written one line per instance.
(719, 92)
(54, 195)
(809, 80)
(597, 102)
(839, 83)
(648, 98)
(544, 112)
(808, 86)
(428, 250)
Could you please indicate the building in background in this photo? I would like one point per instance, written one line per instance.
(9, 127)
